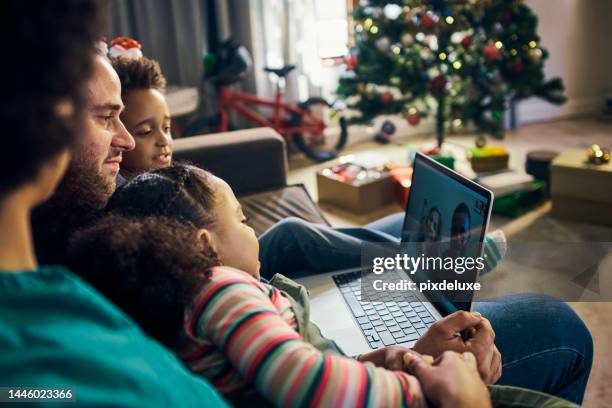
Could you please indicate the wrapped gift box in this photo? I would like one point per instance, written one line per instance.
(519, 202)
(355, 188)
(402, 181)
(579, 190)
(489, 158)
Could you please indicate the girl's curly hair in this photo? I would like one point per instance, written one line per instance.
(151, 267)
(182, 192)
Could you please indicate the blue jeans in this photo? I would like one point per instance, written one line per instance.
(544, 345)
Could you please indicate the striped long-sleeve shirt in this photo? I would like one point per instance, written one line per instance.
(244, 335)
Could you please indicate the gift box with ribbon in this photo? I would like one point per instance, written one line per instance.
(489, 158)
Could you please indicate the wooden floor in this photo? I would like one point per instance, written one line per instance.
(558, 135)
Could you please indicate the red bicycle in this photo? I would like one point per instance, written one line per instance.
(317, 128)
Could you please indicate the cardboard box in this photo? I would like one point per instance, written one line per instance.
(575, 209)
(359, 199)
(581, 191)
(572, 176)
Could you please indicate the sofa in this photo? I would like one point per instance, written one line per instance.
(254, 163)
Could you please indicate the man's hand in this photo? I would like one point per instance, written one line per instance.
(452, 380)
(445, 335)
(391, 358)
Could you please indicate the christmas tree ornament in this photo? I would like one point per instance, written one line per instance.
(481, 141)
(413, 117)
(427, 21)
(383, 43)
(407, 39)
(491, 52)
(392, 11)
(466, 41)
(597, 155)
(386, 97)
(386, 132)
(350, 61)
(374, 12)
(438, 83)
(426, 54)
(535, 55)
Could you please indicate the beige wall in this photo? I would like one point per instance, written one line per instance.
(578, 35)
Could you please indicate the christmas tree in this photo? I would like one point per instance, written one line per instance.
(463, 60)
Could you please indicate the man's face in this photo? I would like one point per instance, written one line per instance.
(460, 230)
(98, 154)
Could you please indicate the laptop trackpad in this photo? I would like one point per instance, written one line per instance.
(330, 313)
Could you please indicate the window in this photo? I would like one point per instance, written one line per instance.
(332, 29)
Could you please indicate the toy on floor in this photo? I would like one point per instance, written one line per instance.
(387, 130)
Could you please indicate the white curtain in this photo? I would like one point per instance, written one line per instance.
(171, 31)
(302, 33)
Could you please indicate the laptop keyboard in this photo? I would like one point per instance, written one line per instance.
(385, 318)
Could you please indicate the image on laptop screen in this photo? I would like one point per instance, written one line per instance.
(446, 217)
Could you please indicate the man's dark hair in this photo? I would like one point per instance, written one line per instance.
(139, 73)
(151, 267)
(463, 211)
(47, 48)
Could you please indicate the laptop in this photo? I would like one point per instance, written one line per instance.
(359, 322)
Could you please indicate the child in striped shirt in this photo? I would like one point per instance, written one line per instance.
(239, 333)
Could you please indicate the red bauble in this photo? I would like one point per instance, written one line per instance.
(438, 83)
(386, 97)
(505, 17)
(517, 67)
(413, 118)
(491, 52)
(427, 21)
(350, 61)
(467, 41)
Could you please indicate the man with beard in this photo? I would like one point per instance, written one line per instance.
(91, 177)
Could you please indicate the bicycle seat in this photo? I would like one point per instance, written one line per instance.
(281, 72)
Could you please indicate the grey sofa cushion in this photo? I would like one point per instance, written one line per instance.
(267, 208)
(249, 160)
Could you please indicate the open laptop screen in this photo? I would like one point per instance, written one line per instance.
(446, 216)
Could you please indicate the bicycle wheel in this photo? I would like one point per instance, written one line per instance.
(324, 132)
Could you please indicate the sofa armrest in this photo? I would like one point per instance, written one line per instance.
(249, 160)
